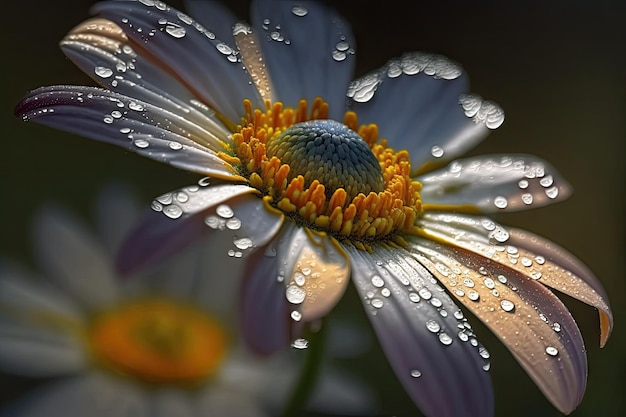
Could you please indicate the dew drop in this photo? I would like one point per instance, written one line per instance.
(413, 297)
(242, 243)
(486, 366)
(473, 295)
(299, 11)
(173, 211)
(483, 352)
(556, 327)
(445, 339)
(295, 294)
(108, 120)
(463, 336)
(338, 55)
(527, 198)
(299, 279)
(552, 192)
(552, 351)
(377, 303)
(507, 305)
(546, 181)
(489, 283)
(436, 151)
(175, 146)
(300, 344)
(458, 315)
(526, 262)
(175, 30)
(377, 281)
(103, 72)
(540, 260)
(433, 326)
(385, 292)
(415, 373)
(224, 211)
(125, 130)
(135, 106)
(436, 302)
(523, 184)
(425, 293)
(500, 202)
(502, 279)
(296, 315)
(141, 143)
(233, 224)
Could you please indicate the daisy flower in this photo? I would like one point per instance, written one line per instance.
(153, 346)
(318, 180)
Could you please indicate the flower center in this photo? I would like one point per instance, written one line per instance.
(328, 151)
(158, 342)
(330, 176)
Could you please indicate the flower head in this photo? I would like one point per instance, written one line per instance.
(316, 179)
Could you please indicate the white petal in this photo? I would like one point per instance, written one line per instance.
(89, 395)
(419, 103)
(204, 63)
(404, 304)
(172, 403)
(76, 261)
(30, 345)
(494, 183)
(309, 51)
(228, 403)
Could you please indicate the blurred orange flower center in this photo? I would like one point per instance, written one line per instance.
(330, 176)
(158, 342)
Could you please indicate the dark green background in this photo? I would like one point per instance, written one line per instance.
(558, 71)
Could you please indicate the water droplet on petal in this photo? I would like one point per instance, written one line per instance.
(295, 294)
(433, 326)
(175, 30)
(500, 202)
(242, 243)
(414, 297)
(473, 295)
(300, 344)
(445, 339)
(377, 303)
(296, 315)
(377, 281)
(224, 211)
(415, 373)
(173, 211)
(175, 146)
(527, 198)
(552, 351)
(436, 151)
(507, 305)
(425, 293)
(103, 72)
(233, 224)
(556, 327)
(552, 192)
(299, 11)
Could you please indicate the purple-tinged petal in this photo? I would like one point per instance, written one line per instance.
(568, 275)
(176, 220)
(428, 342)
(102, 50)
(213, 15)
(493, 183)
(316, 272)
(73, 259)
(309, 51)
(134, 125)
(208, 66)
(419, 103)
(550, 267)
(531, 321)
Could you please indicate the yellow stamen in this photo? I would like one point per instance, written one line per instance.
(358, 216)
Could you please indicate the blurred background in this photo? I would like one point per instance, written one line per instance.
(556, 68)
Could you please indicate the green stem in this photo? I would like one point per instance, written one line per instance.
(308, 376)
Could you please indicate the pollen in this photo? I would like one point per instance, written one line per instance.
(331, 176)
(158, 342)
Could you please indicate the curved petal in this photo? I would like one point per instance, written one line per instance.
(531, 321)
(583, 285)
(315, 271)
(187, 49)
(550, 265)
(419, 103)
(73, 259)
(86, 395)
(214, 15)
(177, 219)
(102, 50)
(417, 324)
(494, 183)
(308, 49)
(123, 121)
(265, 321)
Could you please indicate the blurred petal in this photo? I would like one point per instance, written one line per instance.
(418, 103)
(316, 272)
(74, 259)
(531, 321)
(308, 49)
(228, 403)
(117, 209)
(176, 220)
(187, 49)
(101, 49)
(494, 183)
(91, 395)
(534, 259)
(35, 345)
(132, 124)
(417, 324)
(171, 403)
